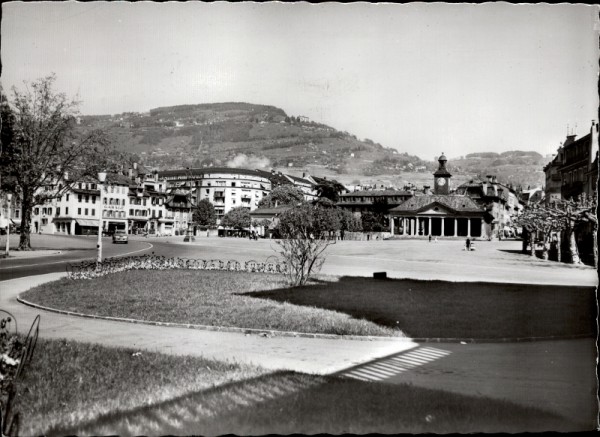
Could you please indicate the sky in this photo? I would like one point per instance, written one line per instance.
(422, 78)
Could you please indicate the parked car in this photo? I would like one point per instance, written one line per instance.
(120, 237)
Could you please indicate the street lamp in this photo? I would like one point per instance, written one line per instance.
(8, 199)
(101, 179)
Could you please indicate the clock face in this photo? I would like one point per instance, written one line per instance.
(441, 182)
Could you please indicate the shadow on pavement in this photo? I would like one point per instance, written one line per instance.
(288, 402)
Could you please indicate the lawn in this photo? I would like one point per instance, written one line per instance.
(198, 297)
(69, 382)
(425, 309)
(292, 403)
(350, 305)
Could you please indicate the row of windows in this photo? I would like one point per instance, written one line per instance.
(573, 176)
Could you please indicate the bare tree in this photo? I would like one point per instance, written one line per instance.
(46, 146)
(305, 234)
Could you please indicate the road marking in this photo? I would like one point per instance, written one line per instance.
(75, 260)
(395, 365)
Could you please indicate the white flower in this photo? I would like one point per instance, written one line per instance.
(8, 360)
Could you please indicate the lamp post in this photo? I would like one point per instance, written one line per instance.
(101, 179)
(8, 199)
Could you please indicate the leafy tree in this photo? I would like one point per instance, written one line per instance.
(370, 222)
(46, 145)
(348, 222)
(238, 218)
(305, 232)
(330, 190)
(282, 195)
(204, 214)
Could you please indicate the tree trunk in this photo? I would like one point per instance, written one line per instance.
(558, 244)
(525, 237)
(573, 251)
(545, 247)
(532, 244)
(26, 207)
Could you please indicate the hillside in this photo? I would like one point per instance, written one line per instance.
(236, 134)
(246, 135)
(513, 167)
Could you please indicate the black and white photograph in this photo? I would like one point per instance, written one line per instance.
(242, 218)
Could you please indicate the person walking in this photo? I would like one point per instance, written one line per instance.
(468, 244)
(430, 238)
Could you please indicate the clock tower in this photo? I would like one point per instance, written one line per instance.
(441, 177)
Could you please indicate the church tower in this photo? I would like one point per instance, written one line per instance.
(441, 177)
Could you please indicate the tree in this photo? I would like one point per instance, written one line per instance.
(370, 222)
(348, 222)
(204, 214)
(237, 218)
(282, 195)
(330, 190)
(305, 234)
(46, 145)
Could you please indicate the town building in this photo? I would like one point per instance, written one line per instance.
(225, 188)
(500, 202)
(363, 200)
(576, 163)
(438, 214)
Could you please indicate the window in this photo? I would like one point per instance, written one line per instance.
(16, 213)
(93, 211)
(44, 221)
(123, 202)
(49, 211)
(79, 197)
(57, 211)
(131, 212)
(87, 199)
(67, 197)
(36, 211)
(105, 200)
(86, 211)
(144, 202)
(94, 199)
(79, 211)
(79, 185)
(67, 210)
(233, 184)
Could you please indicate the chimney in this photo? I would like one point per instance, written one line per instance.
(425, 189)
(494, 179)
(489, 178)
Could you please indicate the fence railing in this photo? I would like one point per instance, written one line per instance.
(92, 269)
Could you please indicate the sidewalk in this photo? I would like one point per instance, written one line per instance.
(31, 254)
(309, 355)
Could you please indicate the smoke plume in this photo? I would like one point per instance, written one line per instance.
(250, 162)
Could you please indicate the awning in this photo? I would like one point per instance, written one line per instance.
(165, 220)
(87, 222)
(139, 219)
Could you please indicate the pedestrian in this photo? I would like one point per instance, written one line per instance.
(468, 243)
(430, 238)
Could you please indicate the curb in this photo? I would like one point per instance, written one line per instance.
(275, 333)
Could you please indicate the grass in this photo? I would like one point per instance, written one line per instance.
(292, 403)
(198, 297)
(454, 310)
(69, 382)
(358, 306)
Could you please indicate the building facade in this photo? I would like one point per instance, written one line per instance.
(439, 214)
(500, 202)
(225, 188)
(575, 166)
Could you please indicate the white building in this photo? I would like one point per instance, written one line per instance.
(225, 188)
